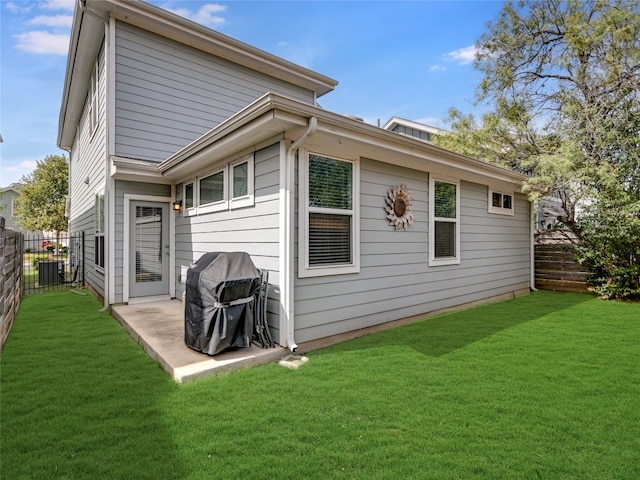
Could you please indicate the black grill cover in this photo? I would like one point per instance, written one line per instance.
(219, 303)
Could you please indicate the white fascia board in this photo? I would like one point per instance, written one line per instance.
(88, 33)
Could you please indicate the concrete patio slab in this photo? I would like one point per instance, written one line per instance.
(159, 328)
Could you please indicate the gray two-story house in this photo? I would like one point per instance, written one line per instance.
(184, 141)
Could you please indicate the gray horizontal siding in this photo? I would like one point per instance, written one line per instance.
(87, 176)
(395, 280)
(168, 94)
(84, 222)
(254, 230)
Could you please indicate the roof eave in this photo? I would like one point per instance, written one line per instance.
(263, 110)
(89, 32)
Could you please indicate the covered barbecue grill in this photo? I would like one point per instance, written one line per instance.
(220, 302)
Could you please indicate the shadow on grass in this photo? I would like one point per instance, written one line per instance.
(446, 333)
(79, 398)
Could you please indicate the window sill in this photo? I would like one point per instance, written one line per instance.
(213, 207)
(501, 211)
(433, 262)
(328, 270)
(241, 202)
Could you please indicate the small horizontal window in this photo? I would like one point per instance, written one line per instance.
(500, 203)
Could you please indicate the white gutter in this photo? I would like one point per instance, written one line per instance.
(287, 187)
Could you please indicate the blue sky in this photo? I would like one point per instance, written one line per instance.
(408, 59)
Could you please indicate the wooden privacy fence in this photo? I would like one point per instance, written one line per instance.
(12, 286)
(556, 269)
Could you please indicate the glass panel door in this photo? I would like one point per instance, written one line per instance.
(149, 249)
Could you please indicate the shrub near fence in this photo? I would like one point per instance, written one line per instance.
(12, 287)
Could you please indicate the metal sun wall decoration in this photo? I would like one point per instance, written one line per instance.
(399, 207)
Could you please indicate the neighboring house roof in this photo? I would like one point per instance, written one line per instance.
(394, 122)
(14, 187)
(87, 34)
(274, 115)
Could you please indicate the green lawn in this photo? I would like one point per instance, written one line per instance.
(541, 387)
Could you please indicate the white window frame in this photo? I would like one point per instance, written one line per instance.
(247, 200)
(221, 204)
(189, 211)
(433, 261)
(500, 210)
(13, 207)
(93, 100)
(304, 269)
(99, 230)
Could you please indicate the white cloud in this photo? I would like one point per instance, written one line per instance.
(464, 56)
(52, 20)
(41, 42)
(206, 15)
(24, 166)
(59, 5)
(18, 8)
(437, 68)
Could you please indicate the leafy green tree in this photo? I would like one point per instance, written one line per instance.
(42, 202)
(562, 79)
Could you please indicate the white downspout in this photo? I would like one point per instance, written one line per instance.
(287, 241)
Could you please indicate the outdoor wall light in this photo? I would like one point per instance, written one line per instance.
(177, 205)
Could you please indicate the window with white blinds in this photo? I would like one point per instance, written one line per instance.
(212, 188)
(444, 231)
(148, 244)
(328, 220)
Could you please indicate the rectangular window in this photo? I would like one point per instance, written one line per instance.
(188, 195)
(212, 194)
(240, 180)
(93, 100)
(500, 203)
(444, 219)
(242, 183)
(329, 233)
(99, 231)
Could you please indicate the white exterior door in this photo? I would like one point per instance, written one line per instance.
(149, 249)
